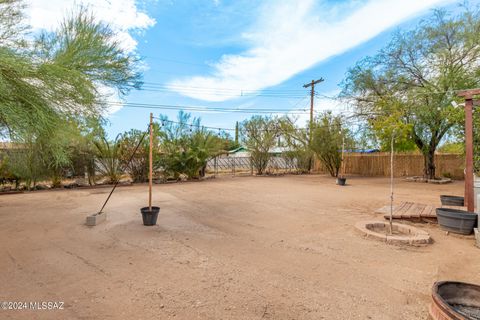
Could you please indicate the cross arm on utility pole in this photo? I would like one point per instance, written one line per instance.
(313, 83)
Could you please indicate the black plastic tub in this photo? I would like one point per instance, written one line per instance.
(341, 181)
(452, 200)
(150, 217)
(457, 221)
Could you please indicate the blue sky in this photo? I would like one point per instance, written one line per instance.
(242, 54)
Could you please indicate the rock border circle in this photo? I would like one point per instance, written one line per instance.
(409, 235)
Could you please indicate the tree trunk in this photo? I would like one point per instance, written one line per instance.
(429, 163)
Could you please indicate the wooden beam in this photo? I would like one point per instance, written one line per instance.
(468, 94)
(469, 200)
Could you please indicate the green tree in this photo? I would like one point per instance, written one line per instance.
(297, 142)
(413, 80)
(58, 77)
(260, 135)
(329, 135)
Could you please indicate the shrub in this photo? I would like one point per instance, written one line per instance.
(328, 137)
(108, 159)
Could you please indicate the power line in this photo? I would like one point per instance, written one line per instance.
(179, 86)
(205, 109)
(192, 125)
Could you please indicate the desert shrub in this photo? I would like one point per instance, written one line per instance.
(138, 167)
(6, 174)
(108, 159)
(186, 147)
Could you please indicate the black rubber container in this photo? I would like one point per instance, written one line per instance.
(341, 181)
(457, 221)
(452, 200)
(150, 217)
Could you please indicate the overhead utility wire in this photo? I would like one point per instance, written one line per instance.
(192, 125)
(205, 109)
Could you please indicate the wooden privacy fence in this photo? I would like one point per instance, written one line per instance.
(406, 164)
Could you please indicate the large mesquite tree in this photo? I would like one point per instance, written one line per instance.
(413, 80)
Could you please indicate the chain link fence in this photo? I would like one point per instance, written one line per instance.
(243, 165)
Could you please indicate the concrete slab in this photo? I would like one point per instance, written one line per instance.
(477, 237)
(95, 219)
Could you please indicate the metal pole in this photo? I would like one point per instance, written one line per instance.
(312, 95)
(391, 182)
(469, 154)
(343, 156)
(150, 174)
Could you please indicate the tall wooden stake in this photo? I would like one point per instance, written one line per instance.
(469, 155)
(391, 183)
(150, 166)
(343, 156)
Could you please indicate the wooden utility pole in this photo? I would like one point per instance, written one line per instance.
(150, 167)
(312, 94)
(469, 103)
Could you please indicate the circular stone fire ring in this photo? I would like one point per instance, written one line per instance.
(402, 234)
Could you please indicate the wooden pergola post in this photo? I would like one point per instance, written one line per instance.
(469, 103)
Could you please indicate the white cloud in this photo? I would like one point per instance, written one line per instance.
(292, 36)
(122, 15)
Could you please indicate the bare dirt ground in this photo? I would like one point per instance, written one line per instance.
(229, 248)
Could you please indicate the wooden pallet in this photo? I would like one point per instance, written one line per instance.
(410, 211)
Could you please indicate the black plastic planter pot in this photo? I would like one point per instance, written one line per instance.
(341, 181)
(457, 221)
(150, 217)
(452, 200)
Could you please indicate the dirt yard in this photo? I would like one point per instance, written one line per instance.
(229, 248)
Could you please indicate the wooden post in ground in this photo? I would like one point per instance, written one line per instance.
(468, 95)
(150, 166)
(343, 156)
(391, 181)
(469, 155)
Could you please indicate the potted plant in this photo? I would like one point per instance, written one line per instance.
(341, 180)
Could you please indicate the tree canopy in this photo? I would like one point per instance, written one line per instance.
(409, 85)
(58, 74)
